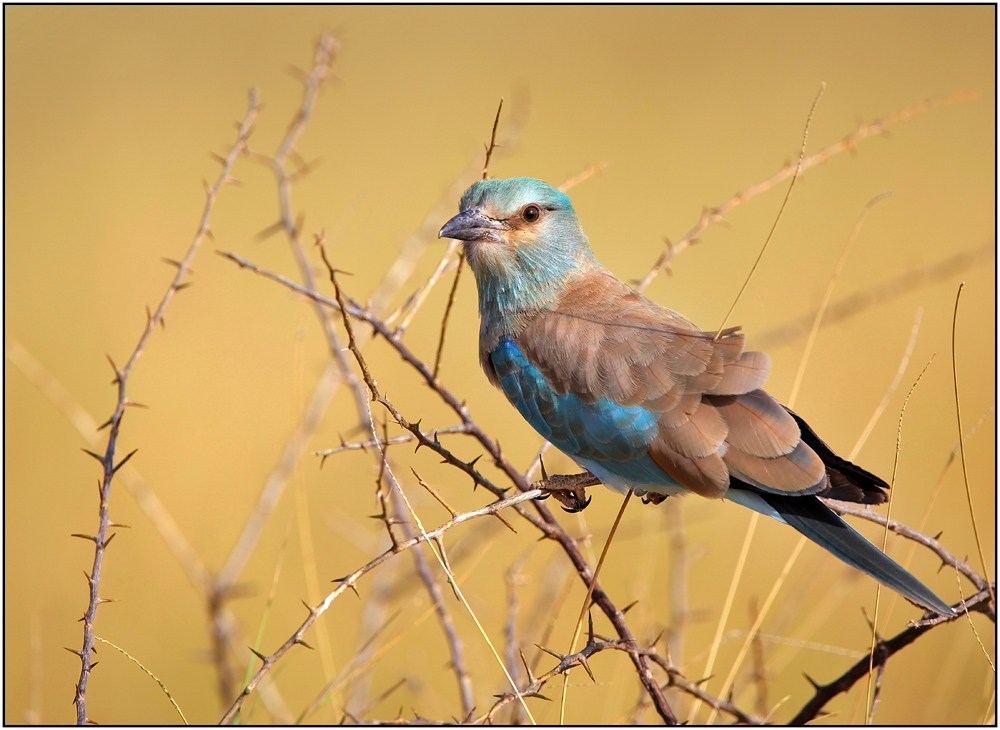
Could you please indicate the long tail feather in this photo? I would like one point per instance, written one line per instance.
(824, 527)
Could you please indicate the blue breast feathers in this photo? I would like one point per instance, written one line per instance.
(613, 436)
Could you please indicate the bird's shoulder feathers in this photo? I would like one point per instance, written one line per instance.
(600, 340)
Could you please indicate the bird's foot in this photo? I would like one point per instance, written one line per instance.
(569, 489)
(653, 497)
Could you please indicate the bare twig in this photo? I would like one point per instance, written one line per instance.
(400, 439)
(883, 650)
(349, 581)
(596, 645)
(493, 142)
(545, 522)
(109, 468)
(447, 311)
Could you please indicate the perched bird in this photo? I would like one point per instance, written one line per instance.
(637, 394)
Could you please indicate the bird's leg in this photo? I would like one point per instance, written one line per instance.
(653, 498)
(569, 489)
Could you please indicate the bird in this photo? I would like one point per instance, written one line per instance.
(637, 394)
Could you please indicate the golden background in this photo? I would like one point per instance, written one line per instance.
(109, 115)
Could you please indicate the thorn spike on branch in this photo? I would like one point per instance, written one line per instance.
(257, 654)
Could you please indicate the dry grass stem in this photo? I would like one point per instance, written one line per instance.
(827, 295)
(152, 676)
(777, 218)
(877, 128)
(871, 693)
(961, 438)
(726, 607)
(884, 403)
(585, 608)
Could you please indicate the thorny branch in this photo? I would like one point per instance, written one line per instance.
(349, 582)
(642, 657)
(545, 522)
(107, 460)
(596, 645)
(883, 650)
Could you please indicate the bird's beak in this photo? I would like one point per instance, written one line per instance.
(472, 225)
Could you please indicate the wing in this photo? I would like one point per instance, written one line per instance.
(603, 342)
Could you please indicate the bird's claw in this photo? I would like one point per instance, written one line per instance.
(568, 489)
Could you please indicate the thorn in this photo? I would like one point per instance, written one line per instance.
(269, 231)
(118, 373)
(303, 643)
(118, 524)
(472, 464)
(868, 618)
(183, 285)
(583, 662)
(218, 158)
(94, 454)
(92, 538)
(938, 536)
(349, 585)
(541, 463)
(257, 654)
(816, 685)
(508, 525)
(104, 425)
(74, 651)
(134, 404)
(527, 669)
(537, 695)
(122, 462)
(629, 608)
(556, 654)
(108, 541)
(656, 640)
(174, 262)
(590, 631)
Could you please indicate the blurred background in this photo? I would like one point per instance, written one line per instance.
(110, 115)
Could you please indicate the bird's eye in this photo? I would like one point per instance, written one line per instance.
(531, 213)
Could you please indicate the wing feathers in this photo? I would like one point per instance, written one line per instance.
(746, 374)
(602, 341)
(799, 472)
(758, 425)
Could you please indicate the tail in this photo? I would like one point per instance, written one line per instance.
(824, 527)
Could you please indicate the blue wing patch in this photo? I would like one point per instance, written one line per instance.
(613, 436)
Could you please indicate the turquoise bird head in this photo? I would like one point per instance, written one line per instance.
(522, 240)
